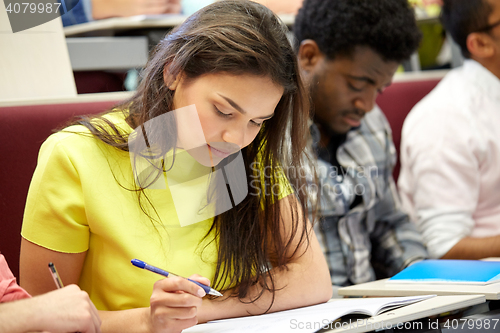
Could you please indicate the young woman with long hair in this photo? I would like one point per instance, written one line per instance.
(229, 73)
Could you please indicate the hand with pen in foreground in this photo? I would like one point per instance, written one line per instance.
(64, 310)
(178, 316)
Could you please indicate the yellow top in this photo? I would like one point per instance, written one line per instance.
(81, 199)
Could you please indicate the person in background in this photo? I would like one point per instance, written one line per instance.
(89, 10)
(64, 310)
(282, 6)
(230, 77)
(450, 152)
(348, 53)
(83, 11)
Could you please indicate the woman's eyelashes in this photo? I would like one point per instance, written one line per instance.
(256, 124)
(228, 115)
(222, 114)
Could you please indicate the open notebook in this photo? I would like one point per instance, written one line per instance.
(307, 319)
(476, 272)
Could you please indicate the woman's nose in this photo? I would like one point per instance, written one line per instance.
(235, 136)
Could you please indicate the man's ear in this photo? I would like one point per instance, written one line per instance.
(169, 80)
(480, 45)
(309, 55)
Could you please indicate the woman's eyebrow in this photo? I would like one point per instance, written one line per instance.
(239, 109)
(233, 104)
(266, 117)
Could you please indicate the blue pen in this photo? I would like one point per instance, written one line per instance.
(142, 264)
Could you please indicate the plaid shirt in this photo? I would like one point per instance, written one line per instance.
(368, 238)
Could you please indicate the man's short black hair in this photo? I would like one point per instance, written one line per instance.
(338, 26)
(463, 17)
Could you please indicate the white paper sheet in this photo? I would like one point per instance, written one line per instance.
(305, 320)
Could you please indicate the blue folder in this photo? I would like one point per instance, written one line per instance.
(450, 271)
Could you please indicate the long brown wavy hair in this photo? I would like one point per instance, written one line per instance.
(237, 38)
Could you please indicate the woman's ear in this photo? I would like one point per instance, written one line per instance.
(170, 81)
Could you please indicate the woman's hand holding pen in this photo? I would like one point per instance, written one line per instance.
(175, 302)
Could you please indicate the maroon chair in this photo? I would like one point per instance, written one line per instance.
(397, 101)
(90, 82)
(23, 130)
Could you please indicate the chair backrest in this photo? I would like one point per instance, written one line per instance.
(24, 128)
(397, 101)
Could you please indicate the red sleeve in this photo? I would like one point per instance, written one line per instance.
(9, 289)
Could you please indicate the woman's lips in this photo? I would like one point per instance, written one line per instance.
(219, 153)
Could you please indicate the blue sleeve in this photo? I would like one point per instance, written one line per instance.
(79, 11)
